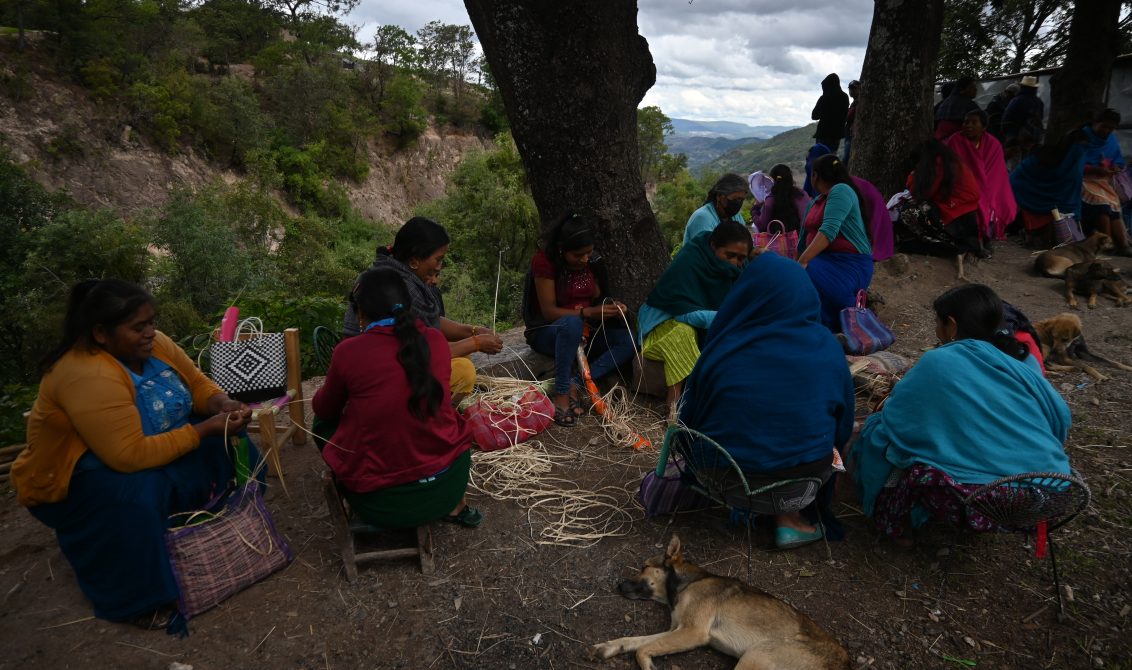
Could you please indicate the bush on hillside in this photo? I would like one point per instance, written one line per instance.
(492, 219)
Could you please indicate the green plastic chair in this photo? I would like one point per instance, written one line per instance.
(325, 340)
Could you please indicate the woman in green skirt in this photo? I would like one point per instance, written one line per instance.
(686, 298)
(399, 450)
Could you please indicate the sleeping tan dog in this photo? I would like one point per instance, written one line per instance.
(763, 632)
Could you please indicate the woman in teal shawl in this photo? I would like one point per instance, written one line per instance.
(971, 411)
(686, 298)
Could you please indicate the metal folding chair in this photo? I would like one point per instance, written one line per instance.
(1025, 503)
(715, 474)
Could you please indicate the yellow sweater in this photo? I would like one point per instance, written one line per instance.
(87, 401)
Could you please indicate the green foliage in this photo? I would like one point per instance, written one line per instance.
(213, 245)
(67, 144)
(403, 115)
(162, 109)
(995, 37)
(15, 84)
(230, 121)
(652, 128)
(15, 399)
(488, 211)
(675, 201)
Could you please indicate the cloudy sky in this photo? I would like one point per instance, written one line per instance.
(754, 61)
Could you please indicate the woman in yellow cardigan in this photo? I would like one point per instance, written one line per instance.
(112, 453)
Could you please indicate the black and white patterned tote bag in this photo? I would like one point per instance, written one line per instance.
(252, 367)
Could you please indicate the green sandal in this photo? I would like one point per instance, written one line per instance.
(469, 517)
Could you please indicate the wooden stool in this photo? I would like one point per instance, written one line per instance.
(346, 532)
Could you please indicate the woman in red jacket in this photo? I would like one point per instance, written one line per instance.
(941, 178)
(400, 450)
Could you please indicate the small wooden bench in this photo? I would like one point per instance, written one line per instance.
(347, 532)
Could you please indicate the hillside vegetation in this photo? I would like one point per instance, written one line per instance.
(789, 148)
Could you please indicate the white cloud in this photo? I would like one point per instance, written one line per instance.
(753, 61)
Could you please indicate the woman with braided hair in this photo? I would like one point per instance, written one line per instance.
(400, 451)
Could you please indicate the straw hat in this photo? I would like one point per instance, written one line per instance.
(1030, 80)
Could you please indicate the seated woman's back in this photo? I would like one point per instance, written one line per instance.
(396, 421)
(771, 385)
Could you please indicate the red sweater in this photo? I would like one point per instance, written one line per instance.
(378, 443)
(965, 192)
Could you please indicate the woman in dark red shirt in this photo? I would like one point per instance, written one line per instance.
(400, 450)
(942, 179)
(565, 291)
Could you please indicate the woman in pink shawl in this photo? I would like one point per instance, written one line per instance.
(982, 154)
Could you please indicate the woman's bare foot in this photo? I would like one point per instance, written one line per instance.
(796, 521)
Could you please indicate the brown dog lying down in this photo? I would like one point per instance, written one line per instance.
(1092, 279)
(1063, 346)
(1056, 261)
(763, 632)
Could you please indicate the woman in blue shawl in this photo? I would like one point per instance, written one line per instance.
(971, 411)
(1048, 180)
(838, 253)
(686, 298)
(771, 385)
(1100, 208)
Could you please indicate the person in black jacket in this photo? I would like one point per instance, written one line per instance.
(830, 112)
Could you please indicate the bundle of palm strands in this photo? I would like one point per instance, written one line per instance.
(569, 516)
(624, 422)
(874, 376)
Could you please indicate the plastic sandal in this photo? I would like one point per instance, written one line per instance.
(469, 517)
(791, 538)
(564, 417)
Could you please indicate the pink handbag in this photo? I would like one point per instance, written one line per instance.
(783, 243)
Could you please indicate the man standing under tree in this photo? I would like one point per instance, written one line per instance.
(830, 113)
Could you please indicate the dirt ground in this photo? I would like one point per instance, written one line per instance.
(498, 599)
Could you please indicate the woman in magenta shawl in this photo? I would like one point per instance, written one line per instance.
(982, 154)
(874, 209)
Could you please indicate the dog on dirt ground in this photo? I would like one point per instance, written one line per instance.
(763, 632)
(1093, 279)
(1063, 347)
(1056, 261)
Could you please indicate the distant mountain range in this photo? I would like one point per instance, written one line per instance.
(727, 129)
(789, 148)
(705, 141)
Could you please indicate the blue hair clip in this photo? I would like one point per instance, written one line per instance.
(397, 307)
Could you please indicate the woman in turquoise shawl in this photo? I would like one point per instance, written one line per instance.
(971, 411)
(686, 298)
(772, 386)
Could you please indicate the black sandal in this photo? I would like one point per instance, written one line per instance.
(564, 416)
(579, 407)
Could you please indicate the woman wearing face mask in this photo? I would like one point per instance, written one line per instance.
(417, 255)
(687, 296)
(723, 202)
(566, 291)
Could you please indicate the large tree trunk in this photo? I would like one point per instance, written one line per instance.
(571, 75)
(894, 112)
(1077, 90)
